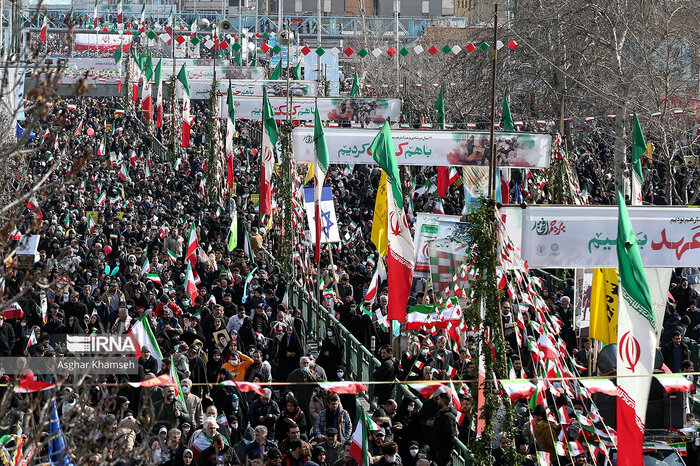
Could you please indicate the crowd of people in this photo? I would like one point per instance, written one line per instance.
(98, 231)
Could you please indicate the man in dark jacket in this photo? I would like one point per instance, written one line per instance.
(295, 456)
(265, 412)
(7, 337)
(444, 427)
(675, 352)
(169, 411)
(218, 448)
(386, 372)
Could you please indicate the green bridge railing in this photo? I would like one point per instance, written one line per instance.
(359, 361)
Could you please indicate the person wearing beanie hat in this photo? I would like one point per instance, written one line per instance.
(241, 447)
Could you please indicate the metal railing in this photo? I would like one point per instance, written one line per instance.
(360, 363)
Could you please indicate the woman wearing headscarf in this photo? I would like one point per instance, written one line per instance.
(290, 351)
(246, 334)
(214, 365)
(331, 353)
(74, 326)
(291, 413)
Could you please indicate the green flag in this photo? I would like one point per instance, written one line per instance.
(118, 54)
(182, 77)
(639, 146)
(382, 150)
(440, 107)
(320, 170)
(277, 72)
(233, 232)
(230, 103)
(296, 72)
(149, 67)
(238, 60)
(355, 85)
(506, 116)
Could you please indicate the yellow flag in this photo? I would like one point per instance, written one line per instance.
(309, 174)
(604, 305)
(650, 151)
(379, 223)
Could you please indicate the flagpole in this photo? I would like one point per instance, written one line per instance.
(492, 147)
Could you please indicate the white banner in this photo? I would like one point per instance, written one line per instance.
(329, 222)
(202, 69)
(559, 237)
(101, 42)
(424, 147)
(200, 89)
(331, 109)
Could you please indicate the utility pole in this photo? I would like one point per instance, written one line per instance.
(492, 145)
(318, 40)
(396, 36)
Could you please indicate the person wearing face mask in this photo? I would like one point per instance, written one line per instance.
(331, 353)
(412, 454)
(389, 455)
(238, 365)
(241, 447)
(406, 424)
(192, 402)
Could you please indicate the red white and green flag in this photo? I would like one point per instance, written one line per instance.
(175, 379)
(269, 147)
(146, 90)
(344, 388)
(359, 448)
(675, 383)
(518, 388)
(101, 148)
(186, 120)
(192, 246)
(172, 255)
(94, 17)
(401, 259)
(44, 29)
(124, 173)
(154, 277)
(320, 171)
(636, 342)
(159, 96)
(230, 131)
(120, 12)
(190, 285)
(144, 336)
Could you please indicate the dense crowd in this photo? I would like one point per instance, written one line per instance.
(242, 327)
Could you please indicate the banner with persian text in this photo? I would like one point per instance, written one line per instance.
(331, 109)
(667, 236)
(201, 88)
(424, 147)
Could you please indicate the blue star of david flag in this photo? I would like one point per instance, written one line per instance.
(329, 222)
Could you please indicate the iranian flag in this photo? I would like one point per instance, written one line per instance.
(244, 387)
(94, 17)
(230, 131)
(186, 122)
(446, 176)
(320, 170)
(44, 29)
(101, 148)
(101, 200)
(675, 383)
(373, 289)
(144, 336)
(28, 384)
(190, 285)
(599, 385)
(639, 146)
(120, 11)
(146, 96)
(159, 95)
(269, 143)
(344, 388)
(636, 342)
(518, 388)
(142, 23)
(124, 173)
(192, 246)
(359, 448)
(153, 382)
(175, 380)
(401, 258)
(32, 340)
(154, 277)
